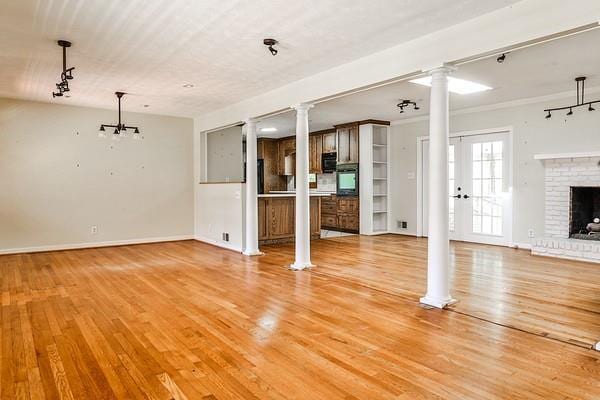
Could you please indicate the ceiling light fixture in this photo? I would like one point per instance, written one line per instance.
(270, 43)
(580, 82)
(66, 74)
(455, 85)
(188, 86)
(405, 103)
(268, 130)
(549, 115)
(120, 128)
(501, 58)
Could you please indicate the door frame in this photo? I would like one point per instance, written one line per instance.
(420, 139)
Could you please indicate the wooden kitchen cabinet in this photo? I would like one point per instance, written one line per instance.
(268, 151)
(286, 147)
(329, 142)
(315, 153)
(340, 213)
(347, 144)
(277, 217)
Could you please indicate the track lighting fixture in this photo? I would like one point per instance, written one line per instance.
(405, 103)
(549, 115)
(67, 73)
(120, 128)
(501, 58)
(270, 43)
(580, 82)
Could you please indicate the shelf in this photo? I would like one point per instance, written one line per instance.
(380, 179)
(379, 162)
(566, 155)
(379, 145)
(379, 194)
(379, 211)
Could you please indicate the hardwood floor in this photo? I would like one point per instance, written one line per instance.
(187, 320)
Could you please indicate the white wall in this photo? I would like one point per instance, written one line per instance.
(224, 160)
(57, 178)
(533, 134)
(220, 209)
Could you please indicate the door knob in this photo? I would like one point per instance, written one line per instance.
(466, 196)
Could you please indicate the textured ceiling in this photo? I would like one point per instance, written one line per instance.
(150, 48)
(541, 70)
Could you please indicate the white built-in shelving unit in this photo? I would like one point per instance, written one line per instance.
(374, 179)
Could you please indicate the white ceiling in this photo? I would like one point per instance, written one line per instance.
(150, 48)
(541, 70)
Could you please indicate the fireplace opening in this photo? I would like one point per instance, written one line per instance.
(585, 207)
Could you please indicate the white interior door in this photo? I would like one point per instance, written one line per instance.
(478, 188)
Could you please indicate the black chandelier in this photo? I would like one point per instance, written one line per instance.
(120, 127)
(580, 82)
(405, 103)
(66, 74)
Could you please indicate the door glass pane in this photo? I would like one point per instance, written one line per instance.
(487, 168)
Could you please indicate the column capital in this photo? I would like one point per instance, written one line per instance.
(250, 120)
(445, 69)
(303, 106)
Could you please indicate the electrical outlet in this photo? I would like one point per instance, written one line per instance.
(531, 233)
(401, 224)
(226, 236)
(404, 224)
(94, 229)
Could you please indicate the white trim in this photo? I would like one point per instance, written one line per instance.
(497, 106)
(223, 245)
(91, 245)
(555, 156)
(524, 246)
(421, 139)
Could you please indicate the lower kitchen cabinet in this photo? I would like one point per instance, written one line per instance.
(277, 217)
(341, 213)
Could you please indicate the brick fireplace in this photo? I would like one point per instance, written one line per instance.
(572, 187)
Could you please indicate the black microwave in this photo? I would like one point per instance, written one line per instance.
(329, 162)
(347, 180)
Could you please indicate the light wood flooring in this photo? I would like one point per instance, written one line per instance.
(186, 320)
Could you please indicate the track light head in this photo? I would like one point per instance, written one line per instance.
(56, 94)
(549, 115)
(501, 58)
(570, 111)
(417, 107)
(102, 128)
(270, 43)
(116, 132)
(590, 108)
(136, 130)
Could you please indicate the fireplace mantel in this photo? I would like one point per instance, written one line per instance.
(558, 156)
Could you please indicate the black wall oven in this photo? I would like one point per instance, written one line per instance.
(347, 180)
(329, 162)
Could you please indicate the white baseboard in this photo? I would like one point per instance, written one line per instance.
(59, 247)
(403, 233)
(525, 246)
(217, 243)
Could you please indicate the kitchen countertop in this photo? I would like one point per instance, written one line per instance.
(293, 194)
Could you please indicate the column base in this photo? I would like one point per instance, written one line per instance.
(301, 266)
(437, 303)
(252, 253)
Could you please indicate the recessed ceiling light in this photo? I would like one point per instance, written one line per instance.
(188, 85)
(268, 130)
(456, 85)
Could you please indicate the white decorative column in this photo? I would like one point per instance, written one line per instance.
(438, 245)
(302, 190)
(251, 243)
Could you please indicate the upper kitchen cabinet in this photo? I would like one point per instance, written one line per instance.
(315, 153)
(347, 144)
(286, 156)
(329, 145)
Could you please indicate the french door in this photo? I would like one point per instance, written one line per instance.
(478, 188)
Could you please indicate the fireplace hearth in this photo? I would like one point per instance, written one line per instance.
(584, 208)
